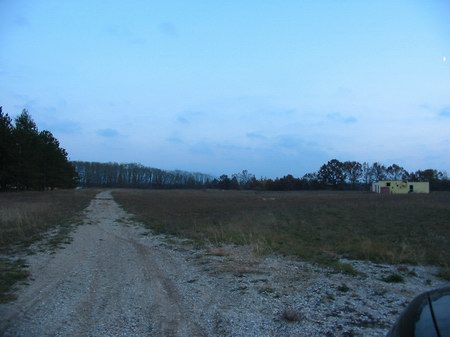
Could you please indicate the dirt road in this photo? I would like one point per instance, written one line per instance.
(106, 283)
(117, 279)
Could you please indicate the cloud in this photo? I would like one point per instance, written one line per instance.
(337, 117)
(124, 34)
(277, 112)
(108, 133)
(425, 106)
(343, 91)
(350, 120)
(168, 29)
(115, 30)
(202, 149)
(442, 112)
(174, 140)
(188, 117)
(29, 105)
(256, 136)
(119, 103)
(288, 142)
(183, 120)
(22, 22)
(63, 127)
(291, 154)
(233, 147)
(445, 112)
(26, 102)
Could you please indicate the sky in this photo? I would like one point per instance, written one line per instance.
(273, 87)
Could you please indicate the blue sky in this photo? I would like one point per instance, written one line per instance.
(274, 87)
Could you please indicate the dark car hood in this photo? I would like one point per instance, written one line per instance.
(427, 315)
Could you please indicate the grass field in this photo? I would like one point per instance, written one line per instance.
(25, 217)
(317, 226)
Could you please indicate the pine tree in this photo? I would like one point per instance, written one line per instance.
(7, 151)
(27, 139)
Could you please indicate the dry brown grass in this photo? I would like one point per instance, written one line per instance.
(319, 226)
(218, 251)
(24, 216)
(11, 272)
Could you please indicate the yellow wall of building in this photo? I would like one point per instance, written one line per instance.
(421, 187)
(401, 187)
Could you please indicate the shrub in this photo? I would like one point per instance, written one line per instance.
(291, 315)
(393, 278)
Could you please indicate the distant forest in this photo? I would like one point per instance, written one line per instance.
(29, 159)
(93, 174)
(336, 175)
(33, 160)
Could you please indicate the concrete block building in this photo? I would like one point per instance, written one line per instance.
(400, 187)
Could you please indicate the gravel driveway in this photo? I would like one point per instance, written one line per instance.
(118, 279)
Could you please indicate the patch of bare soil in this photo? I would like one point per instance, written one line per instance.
(117, 279)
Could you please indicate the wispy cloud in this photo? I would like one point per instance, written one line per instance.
(231, 147)
(445, 112)
(108, 133)
(425, 106)
(66, 127)
(202, 149)
(119, 103)
(277, 112)
(256, 136)
(350, 120)
(182, 120)
(174, 140)
(188, 117)
(124, 34)
(168, 29)
(288, 142)
(337, 117)
(26, 102)
(290, 153)
(22, 22)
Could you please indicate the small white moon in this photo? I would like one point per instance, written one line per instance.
(444, 58)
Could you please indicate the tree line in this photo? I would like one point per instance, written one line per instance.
(94, 174)
(337, 175)
(31, 159)
(334, 175)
